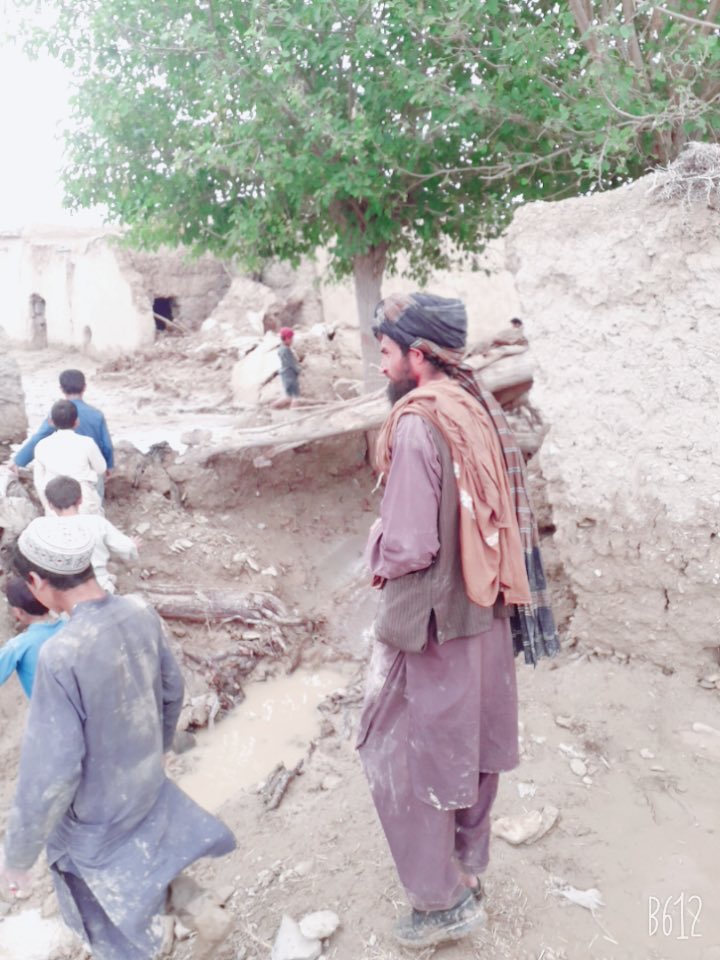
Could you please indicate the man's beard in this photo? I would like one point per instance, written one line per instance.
(396, 389)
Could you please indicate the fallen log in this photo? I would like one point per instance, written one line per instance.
(508, 378)
(506, 373)
(210, 605)
(276, 785)
(173, 324)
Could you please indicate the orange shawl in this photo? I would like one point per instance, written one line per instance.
(492, 551)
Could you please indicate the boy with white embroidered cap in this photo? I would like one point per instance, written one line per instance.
(92, 784)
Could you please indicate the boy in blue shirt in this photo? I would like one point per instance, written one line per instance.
(22, 652)
(91, 423)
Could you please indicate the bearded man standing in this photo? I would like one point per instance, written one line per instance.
(455, 554)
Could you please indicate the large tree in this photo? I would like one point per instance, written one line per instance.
(268, 128)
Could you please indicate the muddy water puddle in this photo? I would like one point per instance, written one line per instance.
(274, 723)
(29, 936)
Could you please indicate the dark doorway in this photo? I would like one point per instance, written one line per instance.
(38, 322)
(164, 309)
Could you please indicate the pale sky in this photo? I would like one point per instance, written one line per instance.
(33, 104)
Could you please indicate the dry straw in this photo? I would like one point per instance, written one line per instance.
(693, 178)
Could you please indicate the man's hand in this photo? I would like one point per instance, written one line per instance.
(378, 582)
(16, 882)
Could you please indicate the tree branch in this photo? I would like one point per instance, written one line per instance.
(712, 16)
(584, 25)
(636, 57)
(488, 173)
(705, 24)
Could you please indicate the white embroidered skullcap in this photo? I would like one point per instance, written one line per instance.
(56, 546)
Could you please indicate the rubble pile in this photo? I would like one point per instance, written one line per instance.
(13, 419)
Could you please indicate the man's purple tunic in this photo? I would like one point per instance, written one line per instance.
(437, 726)
(92, 785)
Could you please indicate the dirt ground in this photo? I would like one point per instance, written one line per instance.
(638, 820)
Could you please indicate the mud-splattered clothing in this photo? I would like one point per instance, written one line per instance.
(437, 726)
(107, 696)
(108, 541)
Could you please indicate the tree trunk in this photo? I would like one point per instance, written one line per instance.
(368, 269)
(213, 605)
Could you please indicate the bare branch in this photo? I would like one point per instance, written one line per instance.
(705, 24)
(712, 17)
(488, 174)
(635, 53)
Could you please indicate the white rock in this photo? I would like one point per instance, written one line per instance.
(181, 931)
(647, 754)
(291, 944)
(269, 572)
(578, 767)
(527, 827)
(526, 789)
(330, 781)
(705, 728)
(319, 925)
(517, 830)
(255, 369)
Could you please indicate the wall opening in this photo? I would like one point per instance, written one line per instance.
(38, 322)
(165, 311)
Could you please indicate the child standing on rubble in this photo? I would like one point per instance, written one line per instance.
(22, 652)
(67, 453)
(64, 495)
(289, 365)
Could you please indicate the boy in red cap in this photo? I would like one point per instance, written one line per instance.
(289, 365)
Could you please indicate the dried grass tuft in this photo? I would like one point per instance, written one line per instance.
(693, 178)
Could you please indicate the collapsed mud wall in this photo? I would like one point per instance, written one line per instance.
(621, 293)
(13, 419)
(80, 287)
(193, 287)
(65, 286)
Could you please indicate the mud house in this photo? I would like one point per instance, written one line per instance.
(623, 290)
(82, 288)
